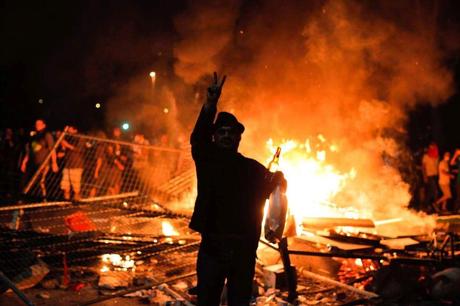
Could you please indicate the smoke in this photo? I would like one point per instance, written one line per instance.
(205, 28)
(357, 71)
(350, 70)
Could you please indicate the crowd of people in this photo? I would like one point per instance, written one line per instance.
(441, 178)
(78, 166)
(109, 168)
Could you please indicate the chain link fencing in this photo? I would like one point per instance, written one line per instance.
(112, 206)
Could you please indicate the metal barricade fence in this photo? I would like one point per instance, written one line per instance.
(91, 166)
(108, 197)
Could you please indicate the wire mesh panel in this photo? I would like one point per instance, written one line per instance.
(107, 197)
(93, 167)
(114, 238)
(112, 243)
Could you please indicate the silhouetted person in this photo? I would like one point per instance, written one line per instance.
(73, 164)
(115, 169)
(229, 207)
(140, 169)
(99, 171)
(444, 183)
(123, 160)
(37, 149)
(10, 150)
(430, 173)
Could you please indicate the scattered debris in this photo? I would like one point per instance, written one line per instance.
(446, 284)
(50, 283)
(115, 279)
(44, 295)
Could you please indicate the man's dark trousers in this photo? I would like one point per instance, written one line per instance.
(225, 258)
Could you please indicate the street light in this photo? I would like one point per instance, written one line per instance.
(125, 126)
(153, 77)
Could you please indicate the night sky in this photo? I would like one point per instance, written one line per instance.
(75, 54)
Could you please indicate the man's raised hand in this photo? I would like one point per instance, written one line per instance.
(215, 89)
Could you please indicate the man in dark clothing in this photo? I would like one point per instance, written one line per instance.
(229, 207)
(99, 176)
(73, 166)
(10, 151)
(37, 150)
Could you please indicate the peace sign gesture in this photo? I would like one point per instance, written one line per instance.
(215, 89)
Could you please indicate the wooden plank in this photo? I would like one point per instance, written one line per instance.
(334, 222)
(329, 242)
(398, 243)
(34, 205)
(370, 240)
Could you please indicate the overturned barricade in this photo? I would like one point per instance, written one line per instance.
(99, 203)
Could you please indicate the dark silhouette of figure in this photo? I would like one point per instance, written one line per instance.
(10, 150)
(444, 184)
(40, 145)
(73, 148)
(228, 212)
(430, 174)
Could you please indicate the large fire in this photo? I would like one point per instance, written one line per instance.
(312, 180)
(315, 185)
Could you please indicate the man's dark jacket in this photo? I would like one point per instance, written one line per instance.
(231, 188)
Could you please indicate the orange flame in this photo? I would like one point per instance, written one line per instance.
(168, 229)
(116, 261)
(317, 188)
(312, 181)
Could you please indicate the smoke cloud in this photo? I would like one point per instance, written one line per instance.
(349, 70)
(205, 28)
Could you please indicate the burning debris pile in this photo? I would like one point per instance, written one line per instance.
(96, 254)
(337, 231)
(112, 236)
(321, 186)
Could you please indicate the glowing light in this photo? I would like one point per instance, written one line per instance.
(165, 110)
(98, 105)
(321, 155)
(40, 101)
(168, 229)
(313, 181)
(388, 221)
(117, 261)
(153, 77)
(114, 259)
(125, 126)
